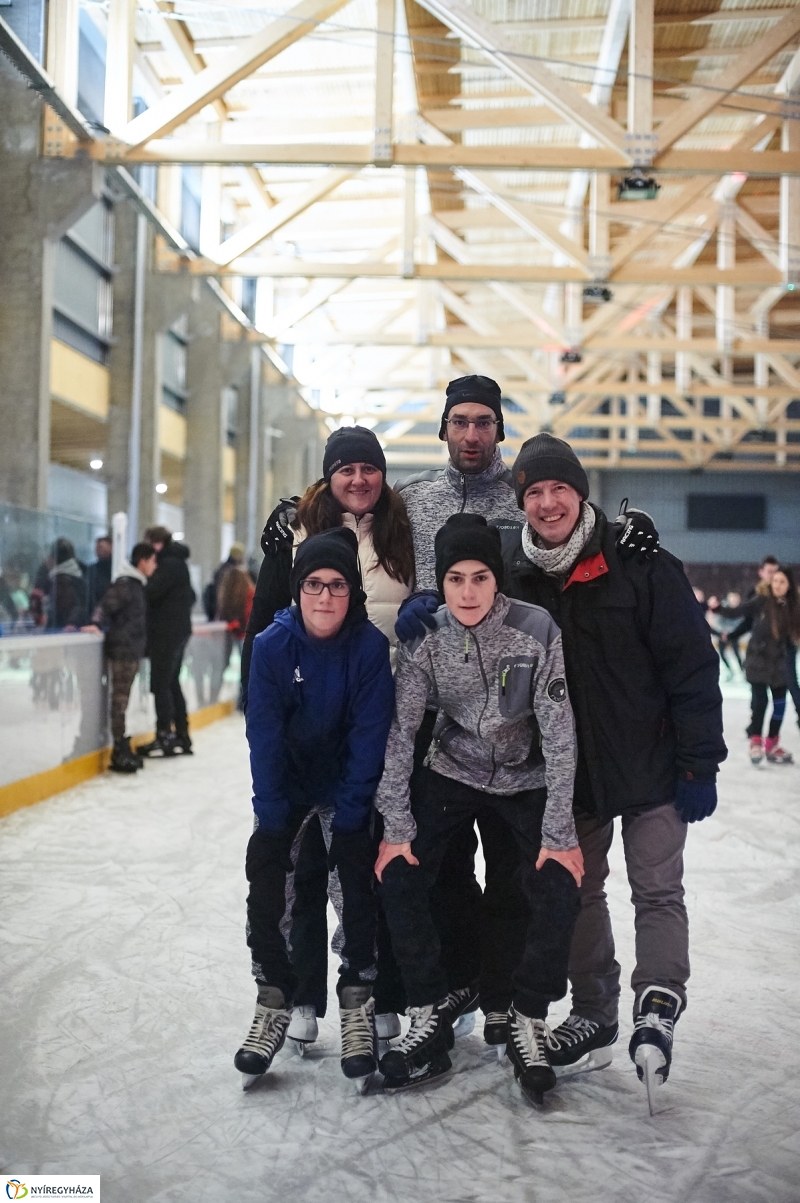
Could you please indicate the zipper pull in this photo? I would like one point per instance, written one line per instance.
(466, 649)
(503, 676)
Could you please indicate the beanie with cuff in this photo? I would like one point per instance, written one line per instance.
(468, 537)
(544, 457)
(477, 390)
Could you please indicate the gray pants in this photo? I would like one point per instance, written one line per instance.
(653, 843)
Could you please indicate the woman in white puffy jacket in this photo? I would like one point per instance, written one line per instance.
(352, 492)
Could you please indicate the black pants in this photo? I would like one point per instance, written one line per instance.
(439, 806)
(165, 671)
(271, 860)
(794, 685)
(758, 709)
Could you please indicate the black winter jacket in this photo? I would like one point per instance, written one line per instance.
(642, 672)
(765, 662)
(122, 616)
(272, 594)
(170, 598)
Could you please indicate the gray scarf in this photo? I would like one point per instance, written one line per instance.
(558, 561)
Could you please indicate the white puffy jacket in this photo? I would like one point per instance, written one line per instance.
(384, 593)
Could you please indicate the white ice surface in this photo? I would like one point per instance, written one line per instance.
(126, 991)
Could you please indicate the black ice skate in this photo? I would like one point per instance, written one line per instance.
(461, 1006)
(183, 743)
(578, 1045)
(528, 1052)
(123, 760)
(495, 1031)
(359, 1037)
(654, 1017)
(266, 1036)
(421, 1055)
(163, 745)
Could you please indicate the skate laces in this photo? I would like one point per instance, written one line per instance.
(573, 1031)
(497, 1017)
(653, 1020)
(531, 1037)
(358, 1034)
(267, 1030)
(423, 1025)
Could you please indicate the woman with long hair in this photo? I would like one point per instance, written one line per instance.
(775, 615)
(352, 492)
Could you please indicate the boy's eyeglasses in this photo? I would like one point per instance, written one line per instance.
(462, 425)
(313, 586)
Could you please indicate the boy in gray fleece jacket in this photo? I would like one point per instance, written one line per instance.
(505, 739)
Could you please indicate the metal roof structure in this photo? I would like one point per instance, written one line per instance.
(427, 190)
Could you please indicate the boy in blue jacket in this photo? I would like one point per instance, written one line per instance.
(320, 704)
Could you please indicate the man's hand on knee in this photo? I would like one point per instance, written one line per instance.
(388, 852)
(571, 859)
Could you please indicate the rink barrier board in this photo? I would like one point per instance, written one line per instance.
(37, 788)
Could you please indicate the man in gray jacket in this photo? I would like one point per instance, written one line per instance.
(504, 741)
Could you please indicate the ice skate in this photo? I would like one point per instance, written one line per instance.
(122, 758)
(163, 745)
(359, 1038)
(303, 1029)
(655, 1015)
(422, 1053)
(387, 1025)
(495, 1031)
(775, 753)
(578, 1045)
(461, 1007)
(756, 749)
(527, 1050)
(183, 743)
(266, 1036)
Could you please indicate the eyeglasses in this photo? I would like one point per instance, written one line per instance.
(313, 586)
(482, 425)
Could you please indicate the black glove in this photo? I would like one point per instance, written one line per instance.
(352, 849)
(278, 532)
(637, 535)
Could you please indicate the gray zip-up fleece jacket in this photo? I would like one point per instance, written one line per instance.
(505, 721)
(431, 498)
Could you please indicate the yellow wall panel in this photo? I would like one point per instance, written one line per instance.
(77, 380)
(172, 432)
(228, 465)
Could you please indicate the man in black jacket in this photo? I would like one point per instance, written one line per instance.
(644, 682)
(170, 598)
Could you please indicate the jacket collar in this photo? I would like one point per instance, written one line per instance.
(359, 526)
(476, 482)
(127, 569)
(489, 625)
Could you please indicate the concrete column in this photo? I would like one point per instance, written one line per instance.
(41, 199)
(202, 480)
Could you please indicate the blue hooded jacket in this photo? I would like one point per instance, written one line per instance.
(318, 717)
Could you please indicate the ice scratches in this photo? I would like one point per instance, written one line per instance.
(126, 991)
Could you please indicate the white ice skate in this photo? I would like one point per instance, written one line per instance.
(303, 1030)
(265, 1038)
(387, 1026)
(359, 1038)
(657, 1010)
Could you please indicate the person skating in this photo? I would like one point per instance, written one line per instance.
(320, 699)
(644, 682)
(504, 740)
(351, 494)
(121, 615)
(170, 598)
(773, 614)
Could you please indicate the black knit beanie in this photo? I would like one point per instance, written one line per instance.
(352, 445)
(336, 548)
(480, 390)
(468, 537)
(544, 457)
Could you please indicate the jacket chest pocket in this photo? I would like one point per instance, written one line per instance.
(515, 685)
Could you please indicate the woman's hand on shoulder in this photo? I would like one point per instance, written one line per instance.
(278, 531)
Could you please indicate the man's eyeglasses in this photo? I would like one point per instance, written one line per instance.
(313, 586)
(462, 425)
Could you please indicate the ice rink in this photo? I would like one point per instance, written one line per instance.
(126, 992)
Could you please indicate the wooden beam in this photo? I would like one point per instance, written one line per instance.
(503, 51)
(213, 82)
(384, 81)
(640, 83)
(118, 105)
(705, 100)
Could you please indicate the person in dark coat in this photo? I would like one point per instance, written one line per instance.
(773, 615)
(643, 677)
(121, 615)
(170, 598)
(98, 575)
(320, 703)
(66, 602)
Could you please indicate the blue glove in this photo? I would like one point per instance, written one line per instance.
(695, 798)
(415, 617)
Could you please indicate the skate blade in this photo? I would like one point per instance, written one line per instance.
(598, 1058)
(501, 1052)
(249, 1080)
(425, 1078)
(650, 1061)
(362, 1085)
(464, 1025)
(299, 1046)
